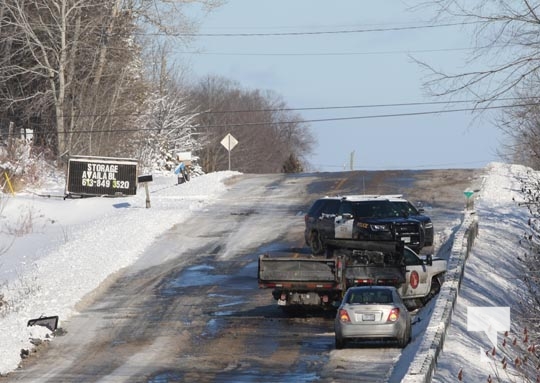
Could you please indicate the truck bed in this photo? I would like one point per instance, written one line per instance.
(374, 267)
(289, 269)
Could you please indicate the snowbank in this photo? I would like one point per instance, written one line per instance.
(64, 249)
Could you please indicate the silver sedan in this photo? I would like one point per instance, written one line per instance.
(372, 313)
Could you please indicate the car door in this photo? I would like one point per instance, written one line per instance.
(327, 217)
(417, 282)
(344, 220)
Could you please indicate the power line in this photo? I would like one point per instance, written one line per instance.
(276, 34)
(419, 103)
(330, 53)
(322, 108)
(334, 107)
(409, 114)
(307, 33)
(354, 25)
(273, 123)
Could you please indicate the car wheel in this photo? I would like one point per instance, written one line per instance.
(317, 247)
(404, 339)
(340, 343)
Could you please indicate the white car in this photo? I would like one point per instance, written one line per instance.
(372, 313)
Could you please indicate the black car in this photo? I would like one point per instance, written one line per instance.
(339, 222)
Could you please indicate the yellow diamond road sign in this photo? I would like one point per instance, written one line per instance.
(229, 142)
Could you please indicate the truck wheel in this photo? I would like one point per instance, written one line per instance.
(340, 343)
(317, 247)
(411, 304)
(435, 286)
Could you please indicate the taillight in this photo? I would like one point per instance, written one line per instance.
(344, 316)
(394, 315)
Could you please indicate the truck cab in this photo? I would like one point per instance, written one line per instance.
(423, 276)
(417, 278)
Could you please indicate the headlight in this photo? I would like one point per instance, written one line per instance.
(428, 225)
(378, 227)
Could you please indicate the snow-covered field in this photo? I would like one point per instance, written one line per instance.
(54, 251)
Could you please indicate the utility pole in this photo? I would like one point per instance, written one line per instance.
(352, 161)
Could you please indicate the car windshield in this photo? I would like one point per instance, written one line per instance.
(376, 209)
(370, 296)
(405, 208)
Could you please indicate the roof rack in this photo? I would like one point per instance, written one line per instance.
(372, 196)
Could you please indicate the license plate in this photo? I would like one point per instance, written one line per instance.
(406, 239)
(368, 317)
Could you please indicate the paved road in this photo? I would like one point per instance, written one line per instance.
(190, 311)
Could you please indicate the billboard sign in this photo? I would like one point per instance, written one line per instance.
(101, 176)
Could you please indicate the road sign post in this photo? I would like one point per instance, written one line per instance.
(229, 142)
(470, 201)
(145, 179)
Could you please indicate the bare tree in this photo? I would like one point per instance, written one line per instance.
(73, 69)
(34, 38)
(521, 125)
(268, 133)
(209, 94)
(503, 69)
(507, 47)
(165, 131)
(54, 58)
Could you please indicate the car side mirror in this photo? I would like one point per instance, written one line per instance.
(429, 260)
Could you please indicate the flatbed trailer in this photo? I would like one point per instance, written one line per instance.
(319, 281)
(304, 281)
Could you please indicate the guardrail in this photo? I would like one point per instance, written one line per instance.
(423, 365)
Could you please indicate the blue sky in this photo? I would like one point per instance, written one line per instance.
(346, 69)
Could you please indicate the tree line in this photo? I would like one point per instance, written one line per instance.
(97, 78)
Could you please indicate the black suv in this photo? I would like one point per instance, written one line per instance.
(411, 211)
(339, 222)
